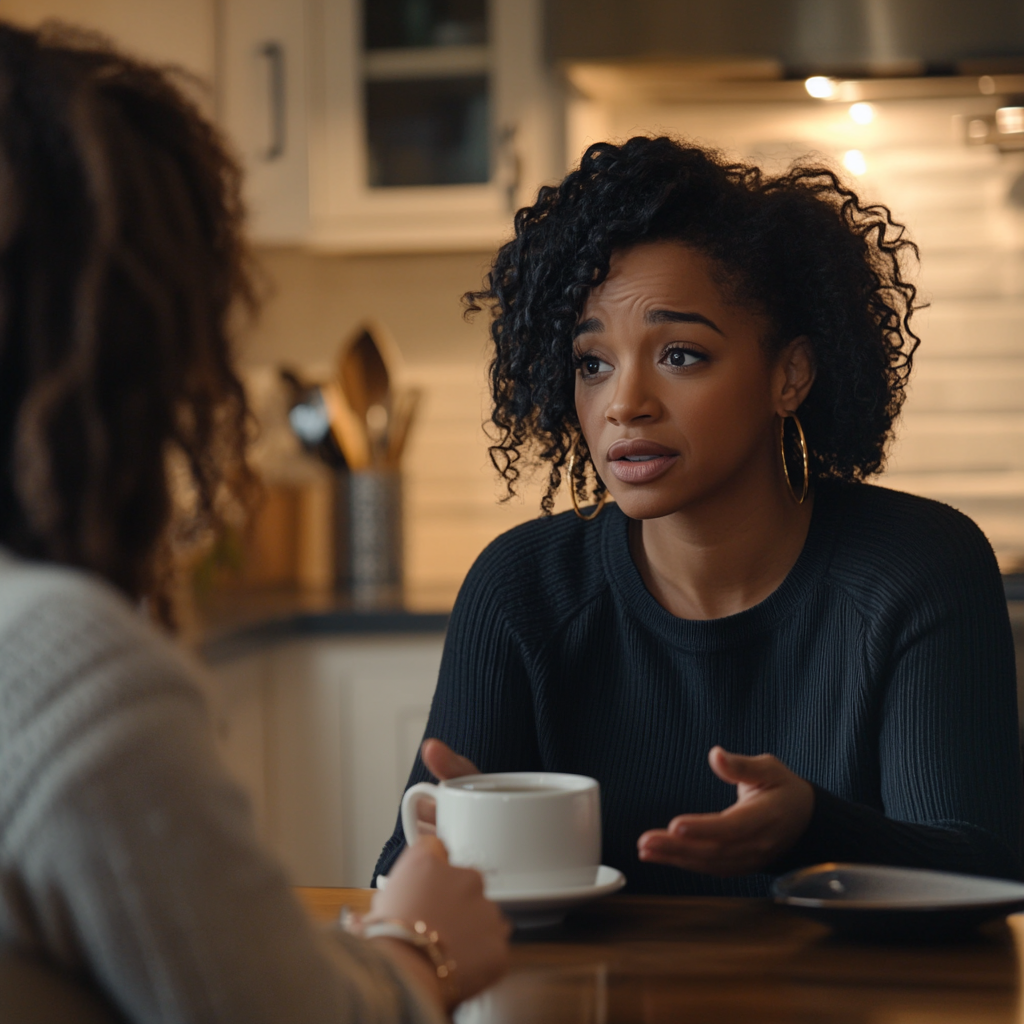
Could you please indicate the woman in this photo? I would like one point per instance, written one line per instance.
(125, 851)
(726, 352)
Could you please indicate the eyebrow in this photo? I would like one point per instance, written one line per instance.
(651, 318)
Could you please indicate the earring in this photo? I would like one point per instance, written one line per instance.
(572, 489)
(803, 454)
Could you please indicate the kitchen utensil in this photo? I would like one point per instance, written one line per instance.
(348, 431)
(406, 403)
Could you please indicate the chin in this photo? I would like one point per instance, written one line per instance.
(638, 505)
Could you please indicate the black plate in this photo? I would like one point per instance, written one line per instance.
(873, 902)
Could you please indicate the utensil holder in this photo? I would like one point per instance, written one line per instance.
(368, 537)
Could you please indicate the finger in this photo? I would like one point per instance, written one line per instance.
(706, 857)
(664, 843)
(732, 824)
(433, 846)
(715, 864)
(738, 768)
(442, 762)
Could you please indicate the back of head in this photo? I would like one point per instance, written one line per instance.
(120, 259)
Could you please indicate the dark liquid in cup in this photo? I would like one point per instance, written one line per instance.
(508, 787)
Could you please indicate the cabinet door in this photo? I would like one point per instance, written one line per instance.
(375, 179)
(323, 733)
(263, 99)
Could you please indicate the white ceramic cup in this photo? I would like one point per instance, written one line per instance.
(525, 831)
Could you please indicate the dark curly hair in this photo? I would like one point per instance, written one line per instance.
(800, 247)
(121, 256)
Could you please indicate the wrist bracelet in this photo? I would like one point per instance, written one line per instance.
(424, 940)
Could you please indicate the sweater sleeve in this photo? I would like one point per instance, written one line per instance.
(483, 704)
(126, 852)
(948, 745)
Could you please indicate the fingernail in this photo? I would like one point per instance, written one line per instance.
(679, 830)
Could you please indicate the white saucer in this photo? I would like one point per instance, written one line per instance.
(541, 908)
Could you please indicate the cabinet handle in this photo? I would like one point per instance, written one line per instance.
(274, 52)
(513, 164)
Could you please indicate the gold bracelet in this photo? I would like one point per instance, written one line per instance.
(425, 940)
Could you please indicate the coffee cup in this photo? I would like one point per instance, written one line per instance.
(524, 831)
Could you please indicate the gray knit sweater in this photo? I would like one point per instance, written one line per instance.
(126, 853)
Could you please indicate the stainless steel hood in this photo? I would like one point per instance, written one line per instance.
(759, 39)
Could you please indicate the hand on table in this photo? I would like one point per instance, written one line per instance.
(423, 886)
(443, 763)
(772, 811)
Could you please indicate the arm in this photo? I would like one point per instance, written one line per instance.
(948, 754)
(483, 705)
(130, 855)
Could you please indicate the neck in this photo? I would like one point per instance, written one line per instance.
(726, 553)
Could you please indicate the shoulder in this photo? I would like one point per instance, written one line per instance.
(62, 628)
(542, 571)
(888, 539)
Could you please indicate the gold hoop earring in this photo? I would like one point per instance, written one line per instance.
(803, 454)
(572, 490)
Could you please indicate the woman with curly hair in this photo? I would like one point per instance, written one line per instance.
(127, 855)
(765, 661)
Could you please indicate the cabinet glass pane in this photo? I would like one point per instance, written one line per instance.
(393, 23)
(430, 131)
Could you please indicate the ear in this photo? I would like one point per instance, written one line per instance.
(794, 375)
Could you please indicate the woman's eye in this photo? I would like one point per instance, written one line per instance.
(683, 357)
(591, 366)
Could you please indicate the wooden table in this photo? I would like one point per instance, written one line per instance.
(717, 961)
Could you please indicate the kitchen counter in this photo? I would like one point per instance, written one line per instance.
(234, 624)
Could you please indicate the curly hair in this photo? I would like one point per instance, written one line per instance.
(121, 256)
(800, 247)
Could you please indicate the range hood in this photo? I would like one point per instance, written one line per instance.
(792, 39)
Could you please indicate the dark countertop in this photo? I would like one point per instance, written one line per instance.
(233, 624)
(1014, 586)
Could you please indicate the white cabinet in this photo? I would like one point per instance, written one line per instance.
(322, 733)
(352, 142)
(263, 102)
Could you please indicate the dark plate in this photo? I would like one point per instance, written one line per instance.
(898, 904)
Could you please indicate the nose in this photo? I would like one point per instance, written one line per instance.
(634, 399)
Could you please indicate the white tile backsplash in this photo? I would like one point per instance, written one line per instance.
(961, 439)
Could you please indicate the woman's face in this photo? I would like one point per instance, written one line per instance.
(675, 393)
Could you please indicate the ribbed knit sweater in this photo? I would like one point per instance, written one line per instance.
(126, 852)
(881, 670)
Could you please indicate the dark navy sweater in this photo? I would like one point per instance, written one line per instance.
(881, 670)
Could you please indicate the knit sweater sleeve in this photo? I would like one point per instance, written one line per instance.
(948, 743)
(127, 854)
(483, 705)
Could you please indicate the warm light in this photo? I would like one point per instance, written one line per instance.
(819, 87)
(862, 113)
(1010, 120)
(854, 162)
(977, 128)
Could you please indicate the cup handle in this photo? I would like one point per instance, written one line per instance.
(410, 808)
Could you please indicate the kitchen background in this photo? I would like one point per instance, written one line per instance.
(386, 144)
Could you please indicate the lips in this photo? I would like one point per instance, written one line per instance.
(638, 461)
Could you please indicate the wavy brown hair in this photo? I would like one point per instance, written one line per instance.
(801, 247)
(121, 259)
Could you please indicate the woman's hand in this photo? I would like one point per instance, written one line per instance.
(423, 886)
(443, 763)
(772, 811)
